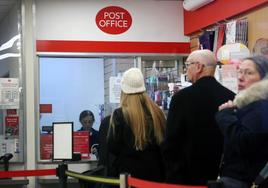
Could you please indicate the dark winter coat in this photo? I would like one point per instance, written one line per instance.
(246, 134)
(102, 140)
(143, 164)
(193, 145)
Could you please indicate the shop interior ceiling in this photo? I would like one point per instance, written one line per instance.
(5, 7)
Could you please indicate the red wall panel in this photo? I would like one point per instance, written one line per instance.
(217, 11)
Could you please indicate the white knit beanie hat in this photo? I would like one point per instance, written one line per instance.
(132, 81)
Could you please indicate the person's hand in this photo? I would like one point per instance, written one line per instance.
(228, 104)
(94, 150)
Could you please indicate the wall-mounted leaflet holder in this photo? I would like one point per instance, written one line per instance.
(62, 141)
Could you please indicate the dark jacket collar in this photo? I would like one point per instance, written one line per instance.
(205, 79)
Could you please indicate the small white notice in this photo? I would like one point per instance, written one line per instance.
(229, 77)
(9, 93)
(115, 89)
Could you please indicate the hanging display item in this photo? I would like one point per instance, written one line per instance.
(232, 53)
(230, 56)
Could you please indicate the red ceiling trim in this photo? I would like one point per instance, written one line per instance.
(217, 11)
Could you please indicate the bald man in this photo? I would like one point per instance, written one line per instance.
(193, 144)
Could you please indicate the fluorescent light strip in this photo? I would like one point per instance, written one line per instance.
(9, 43)
(7, 55)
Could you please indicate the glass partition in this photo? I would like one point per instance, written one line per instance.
(71, 85)
(68, 88)
(11, 84)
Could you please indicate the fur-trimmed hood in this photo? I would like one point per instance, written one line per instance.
(254, 93)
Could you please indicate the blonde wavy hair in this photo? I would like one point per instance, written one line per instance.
(135, 107)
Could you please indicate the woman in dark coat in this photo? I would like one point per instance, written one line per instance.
(244, 124)
(136, 131)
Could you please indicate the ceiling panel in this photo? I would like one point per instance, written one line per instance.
(5, 6)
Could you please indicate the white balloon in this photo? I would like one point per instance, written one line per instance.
(234, 51)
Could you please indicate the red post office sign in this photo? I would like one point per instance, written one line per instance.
(113, 20)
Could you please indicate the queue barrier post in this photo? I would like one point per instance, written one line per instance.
(123, 180)
(60, 172)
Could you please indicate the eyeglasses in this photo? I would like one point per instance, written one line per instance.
(264, 50)
(246, 72)
(188, 63)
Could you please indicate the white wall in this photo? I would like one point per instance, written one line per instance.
(153, 21)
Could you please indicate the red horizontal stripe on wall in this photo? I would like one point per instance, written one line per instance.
(111, 46)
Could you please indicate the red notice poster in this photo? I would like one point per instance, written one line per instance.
(11, 111)
(45, 108)
(12, 125)
(81, 145)
(46, 146)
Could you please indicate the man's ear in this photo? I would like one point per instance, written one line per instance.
(199, 68)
